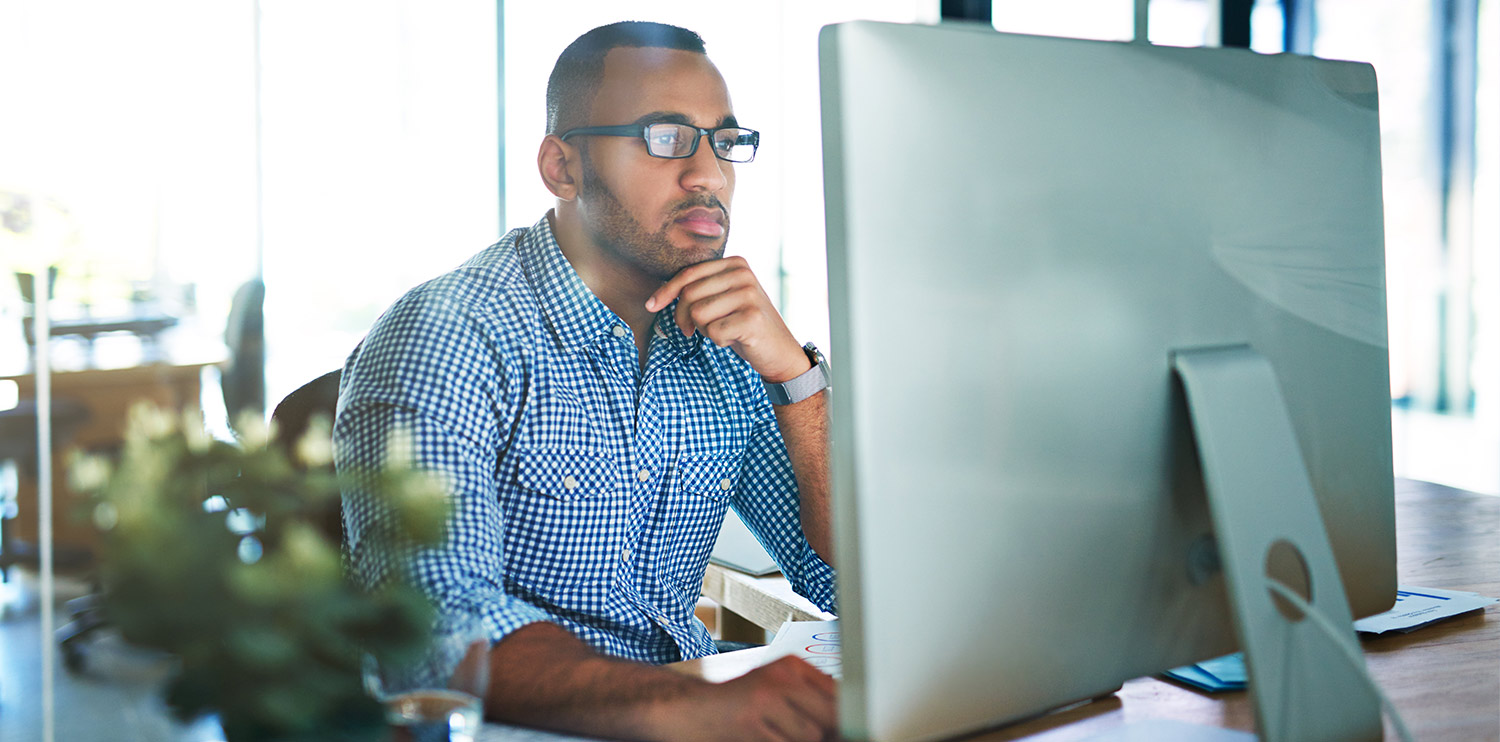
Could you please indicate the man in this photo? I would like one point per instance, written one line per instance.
(596, 391)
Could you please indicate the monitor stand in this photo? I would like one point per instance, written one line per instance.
(1267, 521)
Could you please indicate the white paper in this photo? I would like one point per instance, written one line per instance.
(817, 642)
(1165, 730)
(1418, 606)
(492, 732)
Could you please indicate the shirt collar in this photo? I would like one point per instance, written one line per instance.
(666, 332)
(575, 315)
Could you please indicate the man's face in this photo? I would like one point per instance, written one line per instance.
(657, 215)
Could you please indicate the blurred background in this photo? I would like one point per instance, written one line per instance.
(236, 190)
(231, 192)
(176, 152)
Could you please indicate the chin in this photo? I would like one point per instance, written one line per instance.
(701, 248)
(671, 265)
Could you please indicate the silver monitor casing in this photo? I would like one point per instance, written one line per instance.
(1021, 230)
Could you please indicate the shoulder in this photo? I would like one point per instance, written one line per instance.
(462, 322)
(487, 293)
(487, 285)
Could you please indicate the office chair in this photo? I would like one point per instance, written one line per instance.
(291, 420)
(243, 380)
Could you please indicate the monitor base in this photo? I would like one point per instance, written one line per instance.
(1268, 526)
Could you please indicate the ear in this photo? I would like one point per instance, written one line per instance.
(560, 166)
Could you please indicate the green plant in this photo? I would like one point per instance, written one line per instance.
(212, 554)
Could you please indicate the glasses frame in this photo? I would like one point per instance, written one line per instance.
(639, 130)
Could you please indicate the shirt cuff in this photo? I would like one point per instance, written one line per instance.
(501, 613)
(818, 583)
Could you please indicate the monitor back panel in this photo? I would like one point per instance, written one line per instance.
(1020, 231)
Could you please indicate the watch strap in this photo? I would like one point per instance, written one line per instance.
(810, 382)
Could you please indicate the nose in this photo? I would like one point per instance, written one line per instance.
(705, 172)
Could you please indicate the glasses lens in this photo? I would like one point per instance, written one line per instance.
(670, 140)
(736, 145)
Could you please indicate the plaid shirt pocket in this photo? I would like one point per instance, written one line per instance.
(565, 526)
(568, 475)
(714, 476)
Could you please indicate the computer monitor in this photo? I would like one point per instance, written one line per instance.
(1022, 231)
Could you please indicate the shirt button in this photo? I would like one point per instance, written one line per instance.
(625, 554)
(619, 331)
(570, 483)
(725, 484)
(643, 474)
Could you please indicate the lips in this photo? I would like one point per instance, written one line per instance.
(702, 221)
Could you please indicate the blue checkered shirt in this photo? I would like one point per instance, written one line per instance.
(585, 491)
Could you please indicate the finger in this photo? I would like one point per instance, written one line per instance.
(792, 724)
(761, 728)
(718, 310)
(722, 332)
(708, 286)
(824, 683)
(674, 285)
(817, 705)
(800, 672)
(668, 291)
(820, 717)
(731, 282)
(824, 691)
(728, 277)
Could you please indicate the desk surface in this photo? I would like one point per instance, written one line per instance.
(1444, 679)
(187, 345)
(107, 395)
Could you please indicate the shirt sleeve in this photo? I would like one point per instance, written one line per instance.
(425, 375)
(768, 501)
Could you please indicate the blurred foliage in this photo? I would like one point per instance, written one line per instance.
(213, 553)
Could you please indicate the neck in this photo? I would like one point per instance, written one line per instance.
(621, 287)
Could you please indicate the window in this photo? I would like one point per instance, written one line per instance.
(1443, 258)
(133, 142)
(380, 165)
(377, 153)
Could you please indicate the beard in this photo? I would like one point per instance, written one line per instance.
(618, 233)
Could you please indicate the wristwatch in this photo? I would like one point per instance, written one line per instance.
(812, 381)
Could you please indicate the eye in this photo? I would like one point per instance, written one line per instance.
(727, 139)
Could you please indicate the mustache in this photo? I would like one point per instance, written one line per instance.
(706, 200)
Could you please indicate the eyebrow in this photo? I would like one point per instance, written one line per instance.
(673, 117)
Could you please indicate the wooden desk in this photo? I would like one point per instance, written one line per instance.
(751, 606)
(107, 394)
(1444, 679)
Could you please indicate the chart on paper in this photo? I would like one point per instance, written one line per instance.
(817, 642)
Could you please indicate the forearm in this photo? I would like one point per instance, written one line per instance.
(543, 676)
(804, 428)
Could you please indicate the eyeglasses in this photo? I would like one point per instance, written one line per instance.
(677, 141)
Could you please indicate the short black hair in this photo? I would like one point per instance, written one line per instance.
(575, 78)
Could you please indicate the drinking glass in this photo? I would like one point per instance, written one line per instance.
(439, 696)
